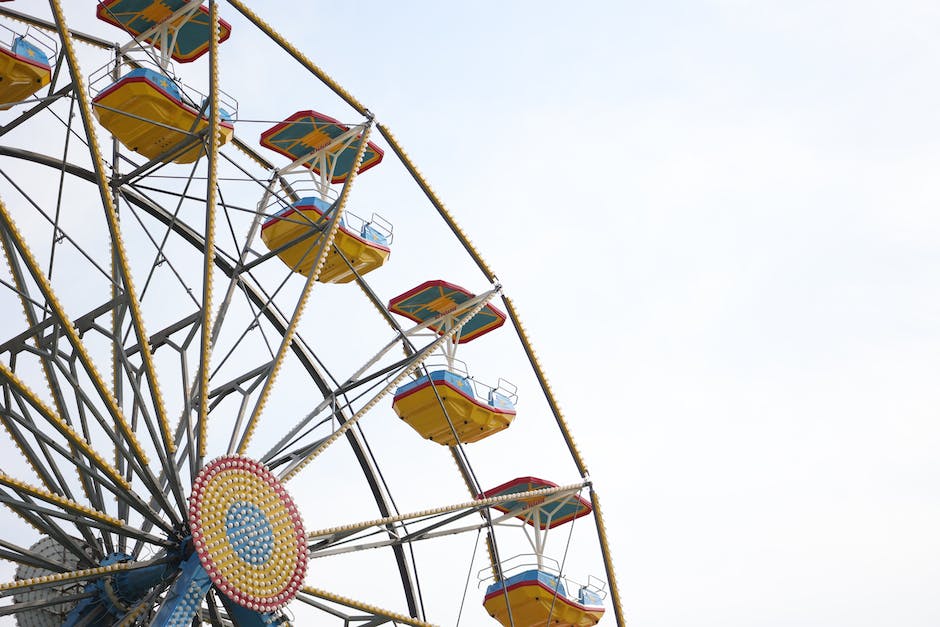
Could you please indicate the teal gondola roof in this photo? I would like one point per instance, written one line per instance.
(138, 16)
(435, 298)
(561, 510)
(306, 131)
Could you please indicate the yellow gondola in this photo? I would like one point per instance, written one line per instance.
(24, 70)
(472, 418)
(146, 112)
(538, 598)
(366, 249)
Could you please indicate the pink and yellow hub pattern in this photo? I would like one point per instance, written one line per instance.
(247, 533)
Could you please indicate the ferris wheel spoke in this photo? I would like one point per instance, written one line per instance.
(259, 302)
(127, 495)
(341, 406)
(190, 392)
(241, 269)
(61, 185)
(58, 322)
(49, 473)
(45, 216)
(253, 377)
(311, 596)
(125, 459)
(16, 554)
(287, 192)
(38, 517)
(84, 574)
(178, 337)
(140, 408)
(96, 463)
(152, 166)
(117, 241)
(314, 229)
(433, 523)
(82, 354)
(205, 339)
(26, 606)
(57, 486)
(142, 191)
(19, 496)
(52, 381)
(243, 266)
(300, 461)
(192, 395)
(160, 258)
(360, 376)
(323, 248)
(66, 123)
(37, 108)
(257, 312)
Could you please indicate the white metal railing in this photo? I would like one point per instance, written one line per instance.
(353, 221)
(481, 390)
(457, 366)
(34, 36)
(529, 561)
(504, 388)
(520, 563)
(103, 78)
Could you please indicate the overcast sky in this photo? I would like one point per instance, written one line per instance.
(720, 222)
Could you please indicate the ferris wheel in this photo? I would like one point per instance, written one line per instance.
(231, 393)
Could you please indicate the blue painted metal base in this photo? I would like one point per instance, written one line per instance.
(185, 597)
(119, 592)
(115, 594)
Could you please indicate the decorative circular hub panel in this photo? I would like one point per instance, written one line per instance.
(247, 533)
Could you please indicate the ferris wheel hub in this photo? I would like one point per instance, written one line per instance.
(247, 533)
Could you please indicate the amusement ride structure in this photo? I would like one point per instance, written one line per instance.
(173, 421)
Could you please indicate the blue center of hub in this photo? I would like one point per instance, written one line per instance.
(249, 532)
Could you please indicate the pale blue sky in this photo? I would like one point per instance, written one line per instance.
(743, 195)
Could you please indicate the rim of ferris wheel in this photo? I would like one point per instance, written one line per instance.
(437, 298)
(179, 26)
